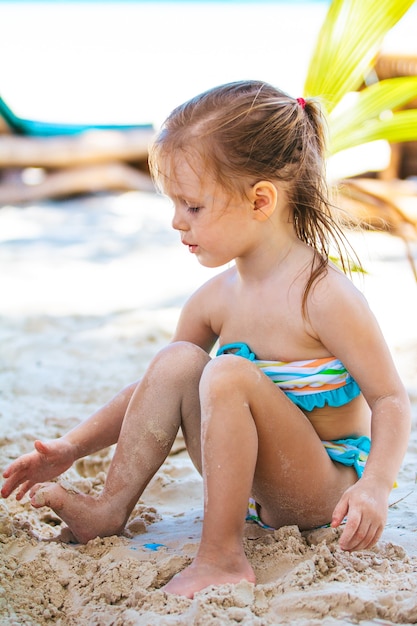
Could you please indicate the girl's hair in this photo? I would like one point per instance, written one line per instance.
(250, 129)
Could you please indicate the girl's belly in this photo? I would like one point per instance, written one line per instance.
(352, 419)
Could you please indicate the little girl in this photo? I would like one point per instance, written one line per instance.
(283, 416)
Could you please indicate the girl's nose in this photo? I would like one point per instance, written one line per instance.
(178, 221)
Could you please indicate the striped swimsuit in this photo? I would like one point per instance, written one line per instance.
(311, 384)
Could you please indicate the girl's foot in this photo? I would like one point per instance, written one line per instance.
(87, 517)
(201, 574)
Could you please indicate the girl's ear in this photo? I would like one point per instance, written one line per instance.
(264, 196)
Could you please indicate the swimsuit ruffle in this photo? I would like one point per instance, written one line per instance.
(334, 397)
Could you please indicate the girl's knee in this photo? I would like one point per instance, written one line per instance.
(229, 372)
(180, 357)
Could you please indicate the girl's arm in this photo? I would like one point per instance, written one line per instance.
(366, 502)
(51, 458)
(344, 323)
(103, 427)
(195, 322)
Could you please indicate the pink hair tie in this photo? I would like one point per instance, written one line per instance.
(301, 102)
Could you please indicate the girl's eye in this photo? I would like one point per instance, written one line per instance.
(193, 209)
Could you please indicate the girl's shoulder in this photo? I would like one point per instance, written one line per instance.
(212, 292)
(335, 291)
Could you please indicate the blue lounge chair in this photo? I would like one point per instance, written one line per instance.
(35, 128)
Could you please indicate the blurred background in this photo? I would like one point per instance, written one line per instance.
(133, 61)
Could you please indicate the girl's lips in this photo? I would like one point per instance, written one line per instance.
(192, 247)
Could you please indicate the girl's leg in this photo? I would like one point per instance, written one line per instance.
(254, 440)
(166, 397)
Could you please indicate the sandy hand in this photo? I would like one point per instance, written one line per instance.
(366, 507)
(47, 461)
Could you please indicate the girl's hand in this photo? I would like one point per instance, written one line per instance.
(366, 506)
(47, 461)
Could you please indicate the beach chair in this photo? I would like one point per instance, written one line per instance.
(36, 128)
(70, 158)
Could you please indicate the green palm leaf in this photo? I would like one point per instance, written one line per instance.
(351, 125)
(401, 126)
(347, 46)
(348, 42)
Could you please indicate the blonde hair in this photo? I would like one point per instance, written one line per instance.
(250, 129)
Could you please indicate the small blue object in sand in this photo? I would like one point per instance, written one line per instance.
(153, 546)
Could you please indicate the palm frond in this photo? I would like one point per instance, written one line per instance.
(373, 101)
(401, 126)
(370, 115)
(347, 46)
(349, 40)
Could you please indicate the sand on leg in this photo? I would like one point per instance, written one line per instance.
(253, 437)
(166, 398)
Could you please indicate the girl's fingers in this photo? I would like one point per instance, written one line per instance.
(339, 513)
(24, 488)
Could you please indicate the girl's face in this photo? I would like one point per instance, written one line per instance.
(213, 223)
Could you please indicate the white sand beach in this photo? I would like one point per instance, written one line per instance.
(91, 289)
